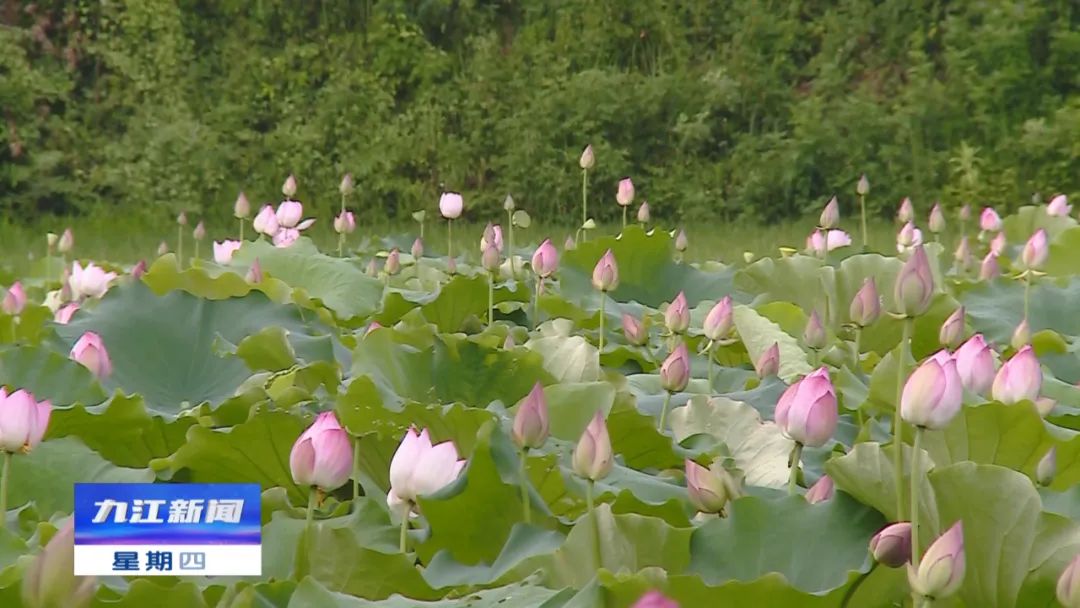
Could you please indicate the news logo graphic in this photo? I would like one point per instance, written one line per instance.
(193, 529)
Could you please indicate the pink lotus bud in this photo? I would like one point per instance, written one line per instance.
(569, 244)
(814, 335)
(941, 571)
(989, 220)
(289, 187)
(1047, 467)
(655, 599)
(807, 411)
(677, 315)
(266, 221)
(952, 330)
(393, 262)
(489, 257)
(1059, 206)
(289, 214)
(675, 370)
(816, 243)
(965, 212)
(625, 194)
(593, 458)
(372, 327)
(1045, 405)
(89, 282)
(372, 268)
(865, 307)
(509, 205)
(1035, 251)
(989, 268)
(508, 343)
(23, 421)
(997, 244)
(182, 219)
(492, 234)
(643, 215)
(162, 248)
(634, 331)
(909, 237)
(830, 215)
(822, 490)
(90, 351)
(451, 205)
(347, 185)
(200, 231)
(545, 260)
(419, 467)
(709, 489)
(768, 364)
(588, 158)
(605, 276)
(892, 545)
(862, 188)
(937, 219)
(719, 322)
(975, 365)
(14, 299)
(286, 237)
(64, 314)
(906, 213)
(530, 428)
(323, 455)
(417, 250)
(1021, 335)
(67, 241)
(963, 253)
(224, 251)
(1019, 378)
(835, 239)
(345, 223)
(914, 285)
(138, 270)
(681, 243)
(242, 207)
(49, 581)
(933, 393)
(254, 274)
(1068, 585)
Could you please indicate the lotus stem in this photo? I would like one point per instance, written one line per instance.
(525, 485)
(624, 217)
(898, 441)
(449, 240)
(850, 593)
(603, 300)
(195, 260)
(793, 478)
(536, 300)
(341, 245)
(1027, 293)
(584, 198)
(180, 247)
(915, 479)
(857, 344)
(709, 353)
(403, 540)
(356, 469)
(304, 554)
(5, 473)
(491, 298)
(595, 521)
(510, 242)
(241, 230)
(663, 411)
(862, 212)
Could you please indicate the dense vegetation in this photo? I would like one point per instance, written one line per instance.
(717, 109)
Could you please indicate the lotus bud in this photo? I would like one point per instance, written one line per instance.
(937, 219)
(1059, 206)
(768, 364)
(941, 571)
(593, 457)
(719, 322)
(816, 243)
(1019, 378)
(162, 248)
(489, 257)
(625, 194)
(345, 223)
(266, 221)
(51, 239)
(914, 285)
(822, 490)
(655, 599)
(289, 187)
(605, 276)
(588, 159)
(835, 239)
(862, 188)
(814, 335)
(372, 327)
(545, 260)
(254, 274)
(451, 205)
(965, 212)
(90, 351)
(906, 213)
(908, 237)
(138, 270)
(997, 244)
(530, 428)
(933, 394)
(1021, 335)
(242, 207)
(66, 242)
(508, 203)
(677, 315)
(681, 243)
(1045, 405)
(23, 421)
(1047, 467)
(866, 305)
(710, 488)
(393, 262)
(200, 231)
(289, 214)
(568, 244)
(419, 468)
(675, 370)
(807, 411)
(182, 219)
(1068, 585)
(952, 330)
(892, 545)
(49, 581)
(989, 269)
(830, 215)
(493, 235)
(975, 365)
(989, 220)
(963, 253)
(634, 331)
(508, 343)
(347, 185)
(63, 315)
(643, 215)
(451, 266)
(1035, 251)
(323, 455)
(14, 299)
(417, 250)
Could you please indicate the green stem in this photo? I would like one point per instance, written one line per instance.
(793, 478)
(915, 483)
(303, 556)
(403, 540)
(510, 243)
(341, 244)
(180, 247)
(898, 441)
(449, 240)
(858, 345)
(603, 300)
(862, 212)
(196, 259)
(663, 411)
(624, 217)
(536, 300)
(595, 521)
(850, 593)
(491, 299)
(5, 473)
(241, 230)
(584, 197)
(356, 469)
(525, 504)
(709, 354)
(1027, 292)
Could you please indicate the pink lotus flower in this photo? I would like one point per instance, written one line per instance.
(862, 188)
(1059, 206)
(720, 321)
(822, 490)
(906, 213)
(605, 276)
(866, 305)
(709, 489)
(892, 545)
(289, 214)
(830, 215)
(419, 468)
(492, 234)
(89, 350)
(1019, 378)
(941, 571)
(224, 251)
(593, 458)
(1035, 251)
(933, 394)
(675, 370)
(14, 299)
(768, 364)
(975, 365)
(989, 220)
(451, 205)
(266, 221)
(1068, 584)
(952, 330)
(1021, 335)
(807, 411)
(345, 223)
(633, 330)
(64, 314)
(835, 239)
(914, 285)
(815, 243)
(625, 194)
(138, 270)
(323, 455)
(821, 242)
(417, 250)
(49, 580)
(677, 315)
(530, 429)
(655, 599)
(937, 219)
(545, 260)
(393, 262)
(23, 421)
(989, 269)
(254, 274)
(962, 255)
(909, 237)
(89, 282)
(286, 237)
(997, 244)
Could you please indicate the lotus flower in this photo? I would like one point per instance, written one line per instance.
(906, 213)
(822, 490)
(768, 364)
(182, 219)
(1047, 467)
(862, 188)
(23, 421)
(489, 257)
(545, 260)
(1068, 584)
(224, 251)
(289, 214)
(675, 370)
(625, 194)
(643, 215)
(569, 244)
(605, 276)
(14, 299)
(451, 205)
(952, 330)
(719, 322)
(1019, 378)
(492, 234)
(815, 243)
(89, 350)
(989, 220)
(975, 365)
(345, 223)
(67, 241)
(200, 231)
(1059, 206)
(89, 282)
(814, 334)
(64, 314)
(588, 158)
(892, 545)
(655, 599)
(393, 262)
(962, 255)
(417, 250)
(266, 221)
(937, 219)
(677, 315)
(866, 305)
(710, 488)
(242, 207)
(933, 393)
(830, 215)
(286, 237)
(941, 571)
(908, 238)
(254, 274)
(681, 243)
(835, 239)
(1035, 251)
(807, 411)
(997, 244)
(162, 248)
(419, 468)
(347, 185)
(989, 269)
(289, 187)
(593, 457)
(323, 454)
(138, 270)
(915, 284)
(49, 581)
(530, 429)
(1021, 335)
(633, 330)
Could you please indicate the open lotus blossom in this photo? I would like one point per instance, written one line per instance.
(975, 365)
(908, 238)
(906, 213)
(23, 421)
(419, 468)
(266, 221)
(64, 313)
(545, 260)
(593, 458)
(1019, 378)
(720, 320)
(530, 429)
(1059, 206)
(605, 276)
(709, 488)
(1068, 584)
(941, 571)
(49, 580)
(675, 370)
(89, 282)
(892, 545)
(822, 490)
(345, 223)
(989, 220)
(914, 285)
(323, 454)
(807, 411)
(768, 364)
(830, 215)
(655, 599)
(952, 330)
(633, 330)
(677, 315)
(937, 219)
(14, 299)
(451, 205)
(89, 350)
(224, 251)
(1035, 251)
(866, 305)
(625, 194)
(933, 393)
(835, 239)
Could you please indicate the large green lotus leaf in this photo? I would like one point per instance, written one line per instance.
(310, 593)
(339, 561)
(48, 375)
(635, 438)
(274, 594)
(866, 473)
(453, 422)
(568, 358)
(336, 282)
(572, 405)
(153, 592)
(450, 304)
(1057, 542)
(1064, 259)
(759, 333)
(525, 542)
(26, 328)
(756, 539)
(46, 475)
(996, 308)
(1019, 226)
(210, 282)
(166, 348)
(647, 271)
(802, 280)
